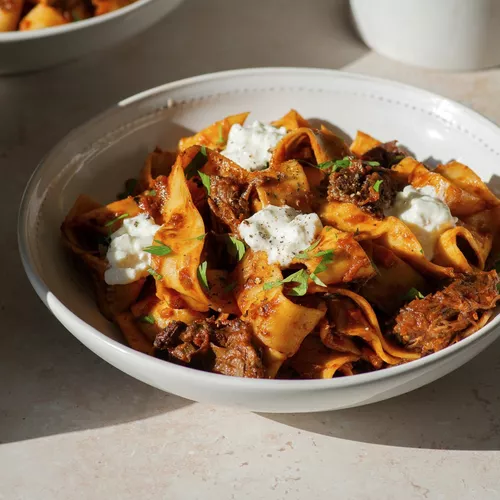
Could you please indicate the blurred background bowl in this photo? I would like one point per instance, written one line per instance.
(22, 51)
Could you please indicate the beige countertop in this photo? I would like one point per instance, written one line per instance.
(73, 427)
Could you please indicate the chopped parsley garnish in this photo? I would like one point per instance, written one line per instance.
(156, 275)
(413, 294)
(205, 180)
(230, 287)
(199, 238)
(159, 249)
(202, 275)
(305, 253)
(151, 192)
(372, 163)
(235, 247)
(221, 139)
(148, 319)
(301, 277)
(376, 186)
(396, 159)
(130, 185)
(422, 251)
(326, 165)
(112, 222)
(326, 258)
(196, 163)
(345, 162)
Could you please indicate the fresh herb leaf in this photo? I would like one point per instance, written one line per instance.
(376, 186)
(317, 280)
(202, 275)
(271, 284)
(305, 253)
(413, 294)
(111, 222)
(396, 159)
(356, 233)
(159, 249)
(196, 163)
(148, 319)
(235, 247)
(328, 228)
(156, 275)
(199, 238)
(326, 258)
(130, 185)
(422, 251)
(205, 180)
(230, 287)
(372, 163)
(325, 165)
(151, 192)
(221, 139)
(301, 277)
(335, 164)
(498, 287)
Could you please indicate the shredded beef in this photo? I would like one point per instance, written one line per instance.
(228, 201)
(220, 346)
(359, 184)
(432, 323)
(387, 154)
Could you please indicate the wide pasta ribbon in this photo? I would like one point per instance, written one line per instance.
(184, 233)
(278, 323)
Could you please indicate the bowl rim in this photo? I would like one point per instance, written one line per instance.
(198, 376)
(17, 36)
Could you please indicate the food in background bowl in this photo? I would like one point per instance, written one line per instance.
(278, 251)
(26, 15)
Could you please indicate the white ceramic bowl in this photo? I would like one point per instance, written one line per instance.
(97, 157)
(32, 50)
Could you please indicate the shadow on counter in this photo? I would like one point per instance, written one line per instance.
(458, 412)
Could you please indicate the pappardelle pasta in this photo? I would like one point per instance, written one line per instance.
(26, 15)
(279, 251)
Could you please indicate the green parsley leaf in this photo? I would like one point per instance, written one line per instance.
(221, 139)
(235, 247)
(317, 280)
(199, 238)
(305, 253)
(372, 163)
(148, 319)
(376, 186)
(326, 258)
(205, 180)
(202, 275)
(395, 160)
(230, 287)
(159, 249)
(413, 294)
(156, 276)
(301, 277)
(197, 163)
(328, 228)
(120, 217)
(422, 251)
(130, 185)
(151, 192)
(271, 284)
(325, 165)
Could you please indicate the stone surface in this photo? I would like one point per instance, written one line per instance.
(73, 427)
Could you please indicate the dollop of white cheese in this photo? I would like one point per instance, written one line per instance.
(251, 146)
(127, 259)
(282, 232)
(425, 213)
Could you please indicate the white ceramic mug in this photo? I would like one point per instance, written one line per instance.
(440, 34)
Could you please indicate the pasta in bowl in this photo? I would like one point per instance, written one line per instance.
(27, 15)
(279, 251)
